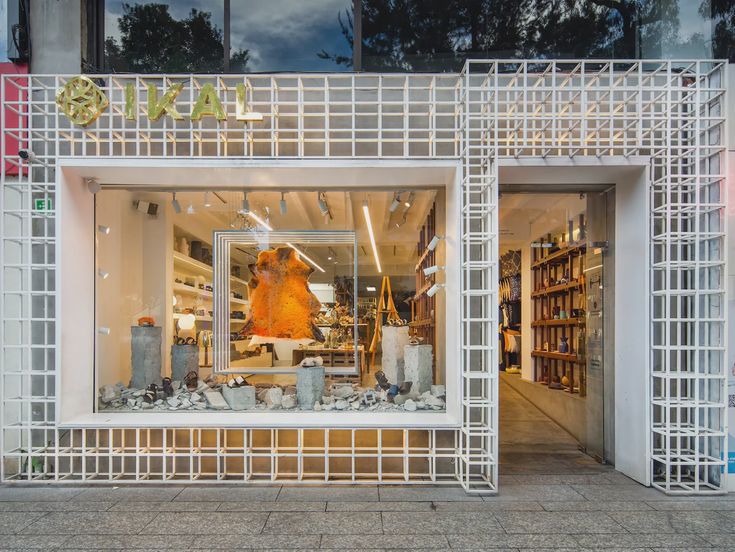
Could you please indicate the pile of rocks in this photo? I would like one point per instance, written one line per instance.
(242, 396)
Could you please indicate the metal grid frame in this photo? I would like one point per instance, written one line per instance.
(671, 111)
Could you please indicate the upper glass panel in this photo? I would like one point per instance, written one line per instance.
(284, 35)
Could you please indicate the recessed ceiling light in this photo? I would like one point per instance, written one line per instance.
(368, 222)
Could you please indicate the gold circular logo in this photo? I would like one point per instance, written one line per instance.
(81, 100)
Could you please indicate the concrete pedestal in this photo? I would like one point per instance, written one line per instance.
(146, 355)
(184, 359)
(418, 369)
(395, 338)
(309, 386)
(239, 398)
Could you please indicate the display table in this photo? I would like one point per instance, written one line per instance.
(333, 358)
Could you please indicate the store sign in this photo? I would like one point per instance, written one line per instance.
(82, 101)
(42, 205)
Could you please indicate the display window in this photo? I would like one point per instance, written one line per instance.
(270, 300)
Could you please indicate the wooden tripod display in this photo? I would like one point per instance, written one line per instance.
(387, 307)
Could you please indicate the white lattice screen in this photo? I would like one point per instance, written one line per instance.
(671, 111)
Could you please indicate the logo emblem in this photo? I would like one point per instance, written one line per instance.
(82, 100)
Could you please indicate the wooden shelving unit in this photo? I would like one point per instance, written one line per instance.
(558, 283)
(423, 315)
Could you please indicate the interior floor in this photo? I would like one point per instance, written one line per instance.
(532, 443)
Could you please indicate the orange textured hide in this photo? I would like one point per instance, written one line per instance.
(281, 303)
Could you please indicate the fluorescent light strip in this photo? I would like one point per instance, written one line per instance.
(268, 227)
(366, 212)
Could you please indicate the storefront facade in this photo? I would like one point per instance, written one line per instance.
(659, 125)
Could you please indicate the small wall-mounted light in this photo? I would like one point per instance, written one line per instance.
(434, 242)
(102, 274)
(207, 202)
(93, 186)
(428, 271)
(282, 203)
(396, 202)
(409, 202)
(433, 289)
(190, 209)
(321, 199)
(103, 229)
(245, 204)
(175, 204)
(104, 330)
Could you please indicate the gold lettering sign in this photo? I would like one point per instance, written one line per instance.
(241, 113)
(208, 104)
(81, 100)
(130, 102)
(167, 103)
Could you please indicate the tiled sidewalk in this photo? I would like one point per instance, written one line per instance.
(604, 511)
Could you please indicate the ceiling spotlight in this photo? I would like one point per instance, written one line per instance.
(102, 274)
(93, 186)
(402, 221)
(282, 203)
(322, 201)
(332, 254)
(433, 289)
(175, 204)
(104, 330)
(190, 209)
(409, 201)
(433, 243)
(428, 271)
(245, 203)
(103, 229)
(207, 203)
(371, 289)
(395, 203)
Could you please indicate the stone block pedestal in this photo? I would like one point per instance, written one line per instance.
(239, 398)
(395, 338)
(309, 386)
(418, 368)
(184, 359)
(146, 355)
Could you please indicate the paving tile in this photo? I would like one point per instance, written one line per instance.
(422, 494)
(656, 549)
(589, 506)
(617, 492)
(498, 540)
(327, 523)
(38, 493)
(636, 549)
(562, 479)
(384, 506)
(80, 523)
(331, 494)
(719, 539)
(214, 523)
(353, 542)
(65, 506)
(29, 542)
(426, 523)
(536, 492)
(558, 522)
(674, 522)
(171, 541)
(272, 506)
(623, 540)
(486, 506)
(14, 522)
(691, 505)
(257, 542)
(228, 494)
(138, 494)
(170, 506)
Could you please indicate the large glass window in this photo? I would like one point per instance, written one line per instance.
(282, 300)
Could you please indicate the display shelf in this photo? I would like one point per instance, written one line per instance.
(202, 268)
(560, 288)
(560, 322)
(559, 256)
(183, 288)
(177, 315)
(555, 355)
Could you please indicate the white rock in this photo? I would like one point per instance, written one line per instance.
(421, 405)
(173, 401)
(317, 406)
(139, 393)
(215, 399)
(341, 404)
(159, 402)
(341, 390)
(434, 402)
(195, 397)
(400, 399)
(273, 397)
(328, 407)
(327, 399)
(109, 393)
(355, 405)
(439, 390)
(409, 405)
(185, 403)
(288, 401)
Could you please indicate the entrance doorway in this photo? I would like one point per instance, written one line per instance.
(556, 333)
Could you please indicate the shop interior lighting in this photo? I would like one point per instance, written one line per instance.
(282, 203)
(368, 222)
(434, 242)
(371, 289)
(245, 204)
(175, 204)
(323, 205)
(395, 203)
(433, 289)
(93, 186)
(403, 220)
(332, 254)
(207, 202)
(102, 229)
(104, 330)
(190, 209)
(102, 274)
(186, 322)
(409, 202)
(428, 271)
(303, 255)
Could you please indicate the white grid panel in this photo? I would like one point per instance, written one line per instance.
(671, 111)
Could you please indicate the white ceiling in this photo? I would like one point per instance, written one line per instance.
(526, 217)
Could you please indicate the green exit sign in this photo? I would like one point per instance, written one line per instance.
(42, 205)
